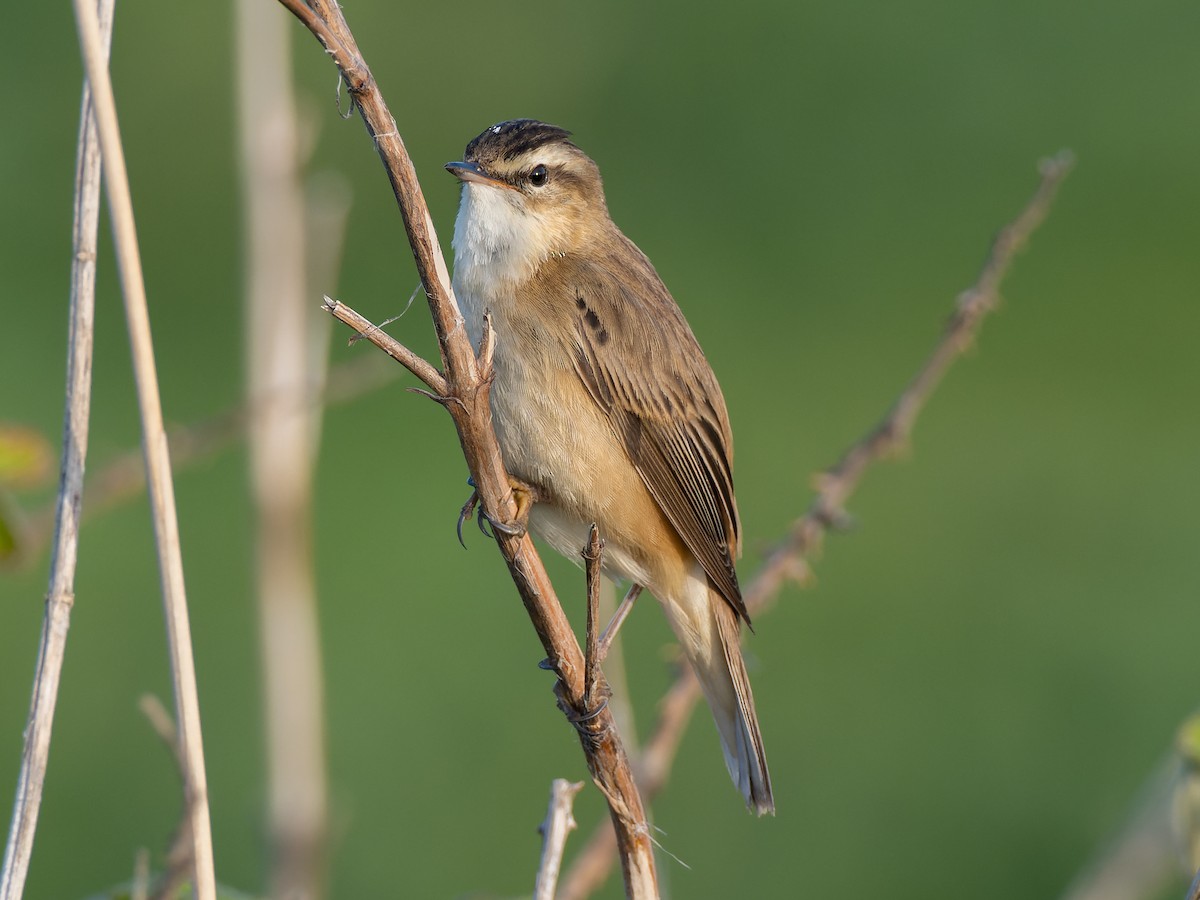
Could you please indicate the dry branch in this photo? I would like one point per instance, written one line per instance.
(592, 558)
(559, 823)
(790, 558)
(60, 595)
(462, 388)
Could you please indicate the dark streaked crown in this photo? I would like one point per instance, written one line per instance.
(508, 140)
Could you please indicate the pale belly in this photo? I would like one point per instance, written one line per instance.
(555, 437)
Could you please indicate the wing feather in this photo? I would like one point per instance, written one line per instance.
(642, 366)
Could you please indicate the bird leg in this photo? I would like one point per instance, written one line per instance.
(610, 632)
(524, 495)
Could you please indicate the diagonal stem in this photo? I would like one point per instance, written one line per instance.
(466, 399)
(60, 595)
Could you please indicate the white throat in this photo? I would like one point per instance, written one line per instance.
(498, 241)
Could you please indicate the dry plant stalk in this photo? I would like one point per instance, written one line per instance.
(60, 595)
(154, 445)
(790, 558)
(559, 823)
(1160, 837)
(1141, 861)
(284, 366)
(462, 387)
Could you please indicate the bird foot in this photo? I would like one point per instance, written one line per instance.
(524, 495)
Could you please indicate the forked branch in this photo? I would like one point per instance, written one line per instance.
(462, 387)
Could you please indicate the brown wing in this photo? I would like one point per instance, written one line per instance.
(642, 365)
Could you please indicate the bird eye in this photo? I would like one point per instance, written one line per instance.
(538, 176)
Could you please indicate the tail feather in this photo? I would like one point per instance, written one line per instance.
(740, 736)
(709, 633)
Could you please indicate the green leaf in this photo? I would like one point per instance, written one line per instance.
(1188, 742)
(26, 457)
(10, 527)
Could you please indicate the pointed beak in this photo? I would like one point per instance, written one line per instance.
(468, 171)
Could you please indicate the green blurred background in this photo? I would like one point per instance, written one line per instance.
(992, 662)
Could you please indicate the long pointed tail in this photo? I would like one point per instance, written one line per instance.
(710, 633)
(740, 737)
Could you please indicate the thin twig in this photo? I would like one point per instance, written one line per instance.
(60, 595)
(591, 560)
(139, 888)
(123, 477)
(389, 345)
(789, 560)
(164, 726)
(179, 855)
(616, 675)
(154, 442)
(613, 629)
(559, 823)
(465, 397)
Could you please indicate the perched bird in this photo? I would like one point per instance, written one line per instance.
(604, 405)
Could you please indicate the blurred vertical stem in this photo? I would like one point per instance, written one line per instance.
(282, 361)
(154, 447)
(1160, 837)
(60, 595)
(1141, 861)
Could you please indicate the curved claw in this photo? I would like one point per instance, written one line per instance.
(514, 529)
(517, 528)
(483, 521)
(467, 509)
